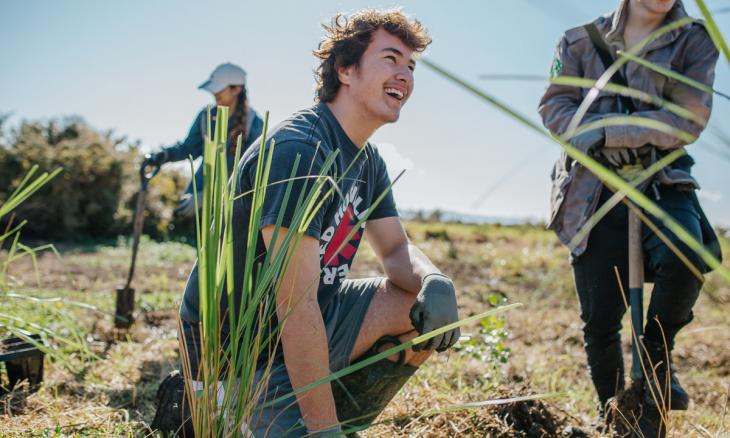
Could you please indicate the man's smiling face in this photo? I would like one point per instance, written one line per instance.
(383, 81)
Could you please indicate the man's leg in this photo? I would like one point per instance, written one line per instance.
(602, 306)
(362, 395)
(388, 315)
(675, 292)
(676, 288)
(361, 313)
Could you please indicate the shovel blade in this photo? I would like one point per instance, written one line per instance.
(124, 314)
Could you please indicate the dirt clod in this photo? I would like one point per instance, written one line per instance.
(623, 412)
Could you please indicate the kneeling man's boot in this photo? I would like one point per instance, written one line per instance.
(362, 395)
(172, 417)
(663, 377)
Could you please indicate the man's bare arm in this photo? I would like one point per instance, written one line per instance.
(410, 269)
(303, 336)
(404, 264)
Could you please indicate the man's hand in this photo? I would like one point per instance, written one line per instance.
(435, 307)
(186, 205)
(155, 159)
(618, 157)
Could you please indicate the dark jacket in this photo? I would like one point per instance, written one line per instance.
(193, 143)
(687, 50)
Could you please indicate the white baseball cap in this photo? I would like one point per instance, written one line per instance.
(223, 76)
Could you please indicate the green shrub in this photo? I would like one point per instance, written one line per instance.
(95, 195)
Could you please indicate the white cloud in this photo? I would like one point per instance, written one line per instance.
(394, 160)
(709, 195)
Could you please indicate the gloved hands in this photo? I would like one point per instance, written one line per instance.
(589, 141)
(155, 159)
(435, 307)
(618, 157)
(186, 205)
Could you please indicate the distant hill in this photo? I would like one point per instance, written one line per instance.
(466, 218)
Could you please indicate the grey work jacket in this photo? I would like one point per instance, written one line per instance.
(687, 50)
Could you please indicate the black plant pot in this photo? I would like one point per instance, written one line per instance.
(23, 361)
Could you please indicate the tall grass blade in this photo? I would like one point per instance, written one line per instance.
(633, 121)
(613, 201)
(671, 74)
(457, 408)
(610, 71)
(391, 351)
(632, 93)
(713, 30)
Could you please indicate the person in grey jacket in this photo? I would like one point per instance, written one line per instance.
(227, 83)
(577, 193)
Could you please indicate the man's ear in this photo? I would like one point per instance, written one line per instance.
(344, 74)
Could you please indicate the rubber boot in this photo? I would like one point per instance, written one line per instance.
(172, 416)
(362, 395)
(655, 384)
(651, 424)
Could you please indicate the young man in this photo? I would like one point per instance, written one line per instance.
(227, 84)
(365, 78)
(577, 192)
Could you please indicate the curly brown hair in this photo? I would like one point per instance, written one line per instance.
(348, 37)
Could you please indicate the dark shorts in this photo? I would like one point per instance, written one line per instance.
(343, 319)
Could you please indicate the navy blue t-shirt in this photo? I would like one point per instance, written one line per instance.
(313, 134)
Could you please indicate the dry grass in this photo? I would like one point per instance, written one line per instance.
(114, 396)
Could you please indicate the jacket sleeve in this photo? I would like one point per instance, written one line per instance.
(193, 143)
(560, 102)
(699, 64)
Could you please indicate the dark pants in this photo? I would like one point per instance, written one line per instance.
(675, 287)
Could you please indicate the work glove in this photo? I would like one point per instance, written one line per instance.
(435, 307)
(589, 141)
(186, 205)
(155, 159)
(619, 157)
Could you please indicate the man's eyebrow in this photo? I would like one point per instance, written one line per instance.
(399, 53)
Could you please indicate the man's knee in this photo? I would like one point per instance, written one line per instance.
(678, 272)
(599, 335)
(602, 324)
(413, 358)
(387, 315)
(404, 357)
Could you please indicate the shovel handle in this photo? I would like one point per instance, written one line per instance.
(636, 291)
(146, 173)
(636, 256)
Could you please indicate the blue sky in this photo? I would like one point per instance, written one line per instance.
(135, 66)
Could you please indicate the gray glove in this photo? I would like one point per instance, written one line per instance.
(435, 307)
(186, 205)
(590, 141)
(618, 157)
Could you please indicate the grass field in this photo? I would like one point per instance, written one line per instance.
(104, 383)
